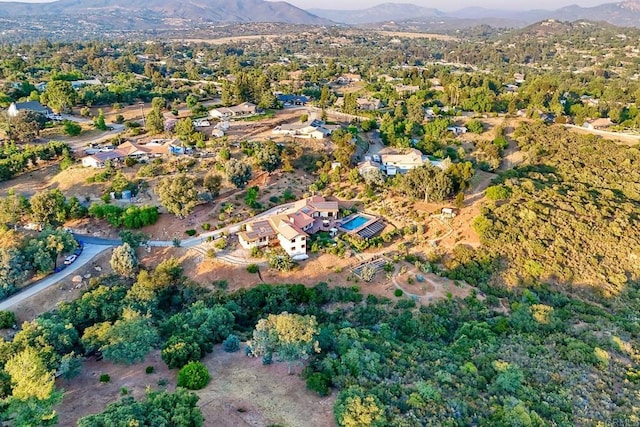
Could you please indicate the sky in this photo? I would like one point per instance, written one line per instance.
(445, 5)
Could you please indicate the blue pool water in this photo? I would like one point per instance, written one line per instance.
(355, 223)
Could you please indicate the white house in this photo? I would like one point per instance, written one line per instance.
(457, 130)
(290, 228)
(246, 109)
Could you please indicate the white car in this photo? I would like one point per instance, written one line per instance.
(69, 260)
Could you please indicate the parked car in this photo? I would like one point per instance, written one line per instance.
(69, 260)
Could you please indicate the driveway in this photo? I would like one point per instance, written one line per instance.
(89, 252)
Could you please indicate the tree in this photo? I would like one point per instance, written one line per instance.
(180, 350)
(133, 239)
(226, 95)
(238, 172)
(291, 336)
(13, 270)
(124, 260)
(374, 178)
(279, 260)
(427, 182)
(29, 376)
(127, 340)
(178, 194)
(212, 183)
(268, 156)
(99, 121)
(48, 207)
(497, 192)
(193, 376)
(71, 128)
(475, 126)
(43, 251)
(25, 127)
(154, 122)
(13, 209)
(159, 409)
(59, 95)
(354, 410)
(185, 130)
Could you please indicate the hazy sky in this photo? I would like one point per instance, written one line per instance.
(446, 5)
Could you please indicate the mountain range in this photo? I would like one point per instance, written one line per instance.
(199, 10)
(626, 13)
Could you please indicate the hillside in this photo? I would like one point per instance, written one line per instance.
(205, 10)
(378, 13)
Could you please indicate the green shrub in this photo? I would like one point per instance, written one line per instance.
(7, 319)
(193, 376)
(206, 226)
(319, 383)
(178, 351)
(190, 232)
(105, 378)
(398, 292)
(252, 268)
(231, 344)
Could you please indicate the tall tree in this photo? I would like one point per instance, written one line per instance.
(48, 207)
(29, 376)
(124, 260)
(290, 336)
(59, 96)
(238, 172)
(178, 194)
(268, 156)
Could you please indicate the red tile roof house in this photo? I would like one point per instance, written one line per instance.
(291, 228)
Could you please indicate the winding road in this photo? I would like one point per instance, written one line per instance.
(88, 253)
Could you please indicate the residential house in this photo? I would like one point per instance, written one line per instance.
(311, 129)
(365, 104)
(407, 89)
(598, 124)
(457, 130)
(127, 149)
(246, 109)
(99, 159)
(393, 161)
(291, 228)
(348, 78)
(16, 107)
(288, 99)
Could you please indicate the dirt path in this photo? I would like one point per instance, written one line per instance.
(618, 137)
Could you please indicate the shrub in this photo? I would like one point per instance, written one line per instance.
(267, 359)
(124, 391)
(193, 376)
(398, 292)
(319, 383)
(119, 119)
(105, 378)
(206, 226)
(149, 370)
(231, 344)
(498, 192)
(256, 252)
(252, 268)
(178, 351)
(7, 319)
(190, 232)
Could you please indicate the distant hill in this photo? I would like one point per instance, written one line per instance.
(378, 13)
(201, 10)
(626, 13)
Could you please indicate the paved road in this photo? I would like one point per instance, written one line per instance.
(87, 255)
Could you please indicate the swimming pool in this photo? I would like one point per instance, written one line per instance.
(355, 223)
